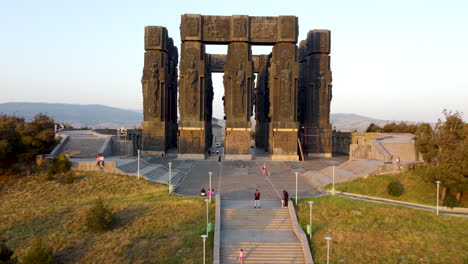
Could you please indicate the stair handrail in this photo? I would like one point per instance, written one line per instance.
(301, 236)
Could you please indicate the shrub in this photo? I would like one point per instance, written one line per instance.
(99, 217)
(450, 201)
(5, 253)
(38, 253)
(69, 178)
(395, 188)
(60, 164)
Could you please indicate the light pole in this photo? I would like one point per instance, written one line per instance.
(207, 201)
(204, 240)
(296, 185)
(328, 249)
(170, 176)
(310, 218)
(437, 207)
(333, 187)
(211, 194)
(138, 162)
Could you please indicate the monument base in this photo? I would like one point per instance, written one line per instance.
(285, 157)
(320, 155)
(152, 153)
(238, 157)
(191, 156)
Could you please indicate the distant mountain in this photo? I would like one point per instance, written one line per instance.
(96, 116)
(100, 116)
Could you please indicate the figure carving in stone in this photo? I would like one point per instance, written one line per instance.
(286, 88)
(192, 84)
(240, 82)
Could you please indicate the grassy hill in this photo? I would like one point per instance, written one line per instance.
(365, 232)
(151, 226)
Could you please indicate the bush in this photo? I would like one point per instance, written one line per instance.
(450, 201)
(395, 188)
(38, 253)
(60, 164)
(5, 253)
(99, 218)
(69, 178)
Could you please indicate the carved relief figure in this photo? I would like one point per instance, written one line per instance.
(286, 89)
(192, 84)
(192, 26)
(155, 95)
(240, 28)
(240, 84)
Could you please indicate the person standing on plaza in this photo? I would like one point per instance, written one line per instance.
(285, 199)
(257, 199)
(264, 169)
(241, 256)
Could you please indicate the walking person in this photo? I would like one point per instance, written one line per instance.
(264, 169)
(202, 192)
(219, 159)
(101, 158)
(241, 256)
(285, 199)
(257, 199)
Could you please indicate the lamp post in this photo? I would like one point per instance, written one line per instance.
(310, 218)
(207, 201)
(170, 176)
(328, 249)
(333, 184)
(437, 207)
(296, 185)
(138, 162)
(204, 241)
(209, 191)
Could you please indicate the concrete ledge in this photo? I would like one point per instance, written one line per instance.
(110, 166)
(301, 236)
(285, 157)
(191, 156)
(238, 157)
(59, 147)
(106, 148)
(152, 153)
(217, 232)
(319, 155)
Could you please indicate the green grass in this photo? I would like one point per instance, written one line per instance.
(415, 189)
(151, 226)
(365, 232)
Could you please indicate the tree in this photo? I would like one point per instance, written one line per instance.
(425, 142)
(373, 128)
(10, 140)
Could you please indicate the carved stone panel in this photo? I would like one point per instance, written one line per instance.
(216, 28)
(263, 29)
(154, 85)
(319, 41)
(155, 38)
(191, 27)
(288, 29)
(239, 28)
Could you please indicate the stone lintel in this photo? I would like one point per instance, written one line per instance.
(217, 62)
(257, 30)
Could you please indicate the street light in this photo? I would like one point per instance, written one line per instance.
(209, 191)
(437, 207)
(207, 201)
(138, 162)
(333, 188)
(296, 185)
(328, 249)
(170, 176)
(204, 240)
(310, 218)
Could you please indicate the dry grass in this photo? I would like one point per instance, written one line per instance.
(151, 226)
(415, 189)
(365, 232)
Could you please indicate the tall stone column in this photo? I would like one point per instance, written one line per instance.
(283, 82)
(156, 82)
(262, 103)
(238, 84)
(316, 79)
(192, 101)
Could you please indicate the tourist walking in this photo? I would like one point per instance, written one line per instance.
(257, 199)
(202, 192)
(285, 199)
(264, 169)
(241, 256)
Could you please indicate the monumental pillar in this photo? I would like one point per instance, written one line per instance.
(262, 103)
(158, 88)
(238, 83)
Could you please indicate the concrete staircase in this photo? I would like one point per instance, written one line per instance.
(156, 173)
(83, 147)
(265, 234)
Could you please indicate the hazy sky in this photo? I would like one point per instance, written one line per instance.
(401, 60)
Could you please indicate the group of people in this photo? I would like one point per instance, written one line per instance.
(204, 193)
(100, 160)
(284, 200)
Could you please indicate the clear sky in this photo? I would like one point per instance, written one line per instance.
(397, 60)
